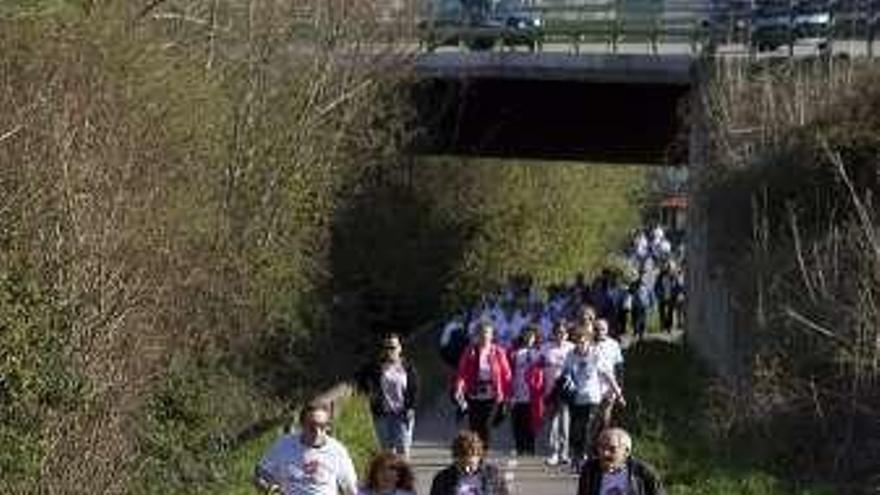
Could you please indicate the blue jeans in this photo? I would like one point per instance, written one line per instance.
(395, 431)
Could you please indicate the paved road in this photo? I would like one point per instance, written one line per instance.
(435, 428)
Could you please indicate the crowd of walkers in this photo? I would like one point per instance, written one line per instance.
(568, 377)
(312, 462)
(552, 363)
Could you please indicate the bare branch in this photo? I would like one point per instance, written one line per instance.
(815, 327)
(153, 5)
(861, 210)
(795, 232)
(10, 133)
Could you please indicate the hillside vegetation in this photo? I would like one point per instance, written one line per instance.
(793, 233)
(197, 201)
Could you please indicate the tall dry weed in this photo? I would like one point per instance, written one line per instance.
(793, 187)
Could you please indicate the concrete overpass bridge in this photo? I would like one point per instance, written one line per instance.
(611, 107)
(600, 80)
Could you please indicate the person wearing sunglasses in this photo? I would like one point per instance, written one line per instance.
(391, 383)
(308, 462)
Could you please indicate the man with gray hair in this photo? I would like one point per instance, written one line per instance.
(615, 471)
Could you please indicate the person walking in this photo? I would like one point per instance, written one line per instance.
(388, 474)
(611, 361)
(553, 355)
(483, 382)
(527, 391)
(642, 300)
(614, 471)
(665, 293)
(470, 473)
(582, 370)
(310, 461)
(392, 384)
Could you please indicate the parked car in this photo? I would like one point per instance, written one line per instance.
(771, 27)
(807, 22)
(521, 27)
(813, 25)
(480, 26)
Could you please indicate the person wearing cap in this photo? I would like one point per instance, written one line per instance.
(615, 472)
(310, 461)
(469, 473)
(391, 383)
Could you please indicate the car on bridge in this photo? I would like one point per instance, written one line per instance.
(813, 25)
(480, 25)
(806, 23)
(772, 26)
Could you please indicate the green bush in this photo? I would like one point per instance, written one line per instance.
(36, 377)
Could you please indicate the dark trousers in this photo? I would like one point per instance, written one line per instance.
(639, 321)
(580, 435)
(523, 436)
(480, 414)
(666, 309)
(622, 316)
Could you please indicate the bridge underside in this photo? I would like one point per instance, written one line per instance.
(609, 122)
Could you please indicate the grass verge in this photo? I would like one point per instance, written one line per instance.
(667, 416)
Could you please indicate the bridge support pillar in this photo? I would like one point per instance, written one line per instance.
(710, 329)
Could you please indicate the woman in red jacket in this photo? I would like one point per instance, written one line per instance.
(483, 380)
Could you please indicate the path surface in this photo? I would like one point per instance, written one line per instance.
(436, 427)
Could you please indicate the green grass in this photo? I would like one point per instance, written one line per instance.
(241, 464)
(666, 414)
(353, 426)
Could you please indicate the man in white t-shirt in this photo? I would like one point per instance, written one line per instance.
(308, 463)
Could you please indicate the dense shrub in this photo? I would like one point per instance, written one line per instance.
(165, 203)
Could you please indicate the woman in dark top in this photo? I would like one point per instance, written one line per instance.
(469, 473)
(392, 384)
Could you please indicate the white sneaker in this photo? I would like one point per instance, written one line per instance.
(552, 460)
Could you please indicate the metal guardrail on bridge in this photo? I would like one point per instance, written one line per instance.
(702, 27)
(575, 24)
